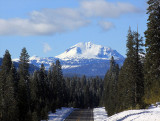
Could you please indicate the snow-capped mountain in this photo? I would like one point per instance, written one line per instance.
(89, 50)
(83, 58)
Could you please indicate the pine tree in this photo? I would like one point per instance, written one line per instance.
(152, 58)
(51, 90)
(7, 98)
(14, 77)
(43, 91)
(59, 85)
(138, 69)
(54, 87)
(23, 86)
(111, 80)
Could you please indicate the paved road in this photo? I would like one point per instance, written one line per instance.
(81, 115)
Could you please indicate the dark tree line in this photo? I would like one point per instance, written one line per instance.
(137, 83)
(84, 93)
(28, 96)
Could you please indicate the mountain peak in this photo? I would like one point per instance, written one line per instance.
(34, 57)
(87, 44)
(88, 50)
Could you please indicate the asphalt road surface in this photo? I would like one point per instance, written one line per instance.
(81, 115)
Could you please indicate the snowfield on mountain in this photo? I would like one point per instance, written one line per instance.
(89, 50)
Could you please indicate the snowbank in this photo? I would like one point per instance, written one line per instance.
(151, 114)
(60, 114)
(100, 114)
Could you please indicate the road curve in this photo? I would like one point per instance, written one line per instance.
(81, 115)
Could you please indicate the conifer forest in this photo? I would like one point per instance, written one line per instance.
(29, 96)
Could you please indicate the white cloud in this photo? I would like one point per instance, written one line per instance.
(46, 48)
(62, 19)
(45, 22)
(102, 8)
(106, 25)
(24, 27)
(52, 21)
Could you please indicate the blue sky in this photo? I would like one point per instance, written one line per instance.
(48, 27)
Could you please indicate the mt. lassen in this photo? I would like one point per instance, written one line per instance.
(82, 59)
(89, 50)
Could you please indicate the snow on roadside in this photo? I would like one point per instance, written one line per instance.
(100, 114)
(152, 114)
(60, 114)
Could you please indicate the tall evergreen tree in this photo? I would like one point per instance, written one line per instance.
(43, 90)
(52, 89)
(152, 58)
(59, 84)
(138, 69)
(110, 87)
(23, 86)
(7, 98)
(14, 77)
(128, 66)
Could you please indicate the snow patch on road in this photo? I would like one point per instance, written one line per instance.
(100, 114)
(60, 114)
